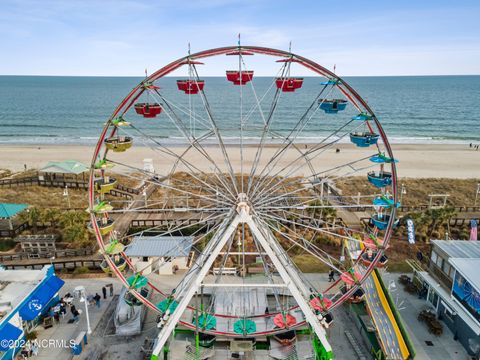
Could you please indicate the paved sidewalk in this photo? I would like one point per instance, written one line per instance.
(65, 331)
(441, 347)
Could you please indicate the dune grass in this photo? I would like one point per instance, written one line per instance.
(461, 191)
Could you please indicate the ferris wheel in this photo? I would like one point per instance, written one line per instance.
(244, 179)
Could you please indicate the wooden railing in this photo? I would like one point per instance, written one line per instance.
(48, 254)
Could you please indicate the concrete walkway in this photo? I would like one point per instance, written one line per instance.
(441, 347)
(65, 331)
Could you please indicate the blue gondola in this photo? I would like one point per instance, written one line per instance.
(332, 106)
(379, 179)
(363, 139)
(381, 222)
(362, 117)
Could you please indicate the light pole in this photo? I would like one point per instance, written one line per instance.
(403, 191)
(476, 194)
(80, 293)
(65, 193)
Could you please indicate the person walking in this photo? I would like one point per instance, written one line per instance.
(75, 313)
(331, 275)
(97, 299)
(111, 290)
(104, 291)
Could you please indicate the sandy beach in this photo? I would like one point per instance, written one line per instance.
(415, 161)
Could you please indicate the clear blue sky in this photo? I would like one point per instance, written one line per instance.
(123, 37)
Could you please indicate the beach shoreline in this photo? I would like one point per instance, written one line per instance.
(415, 160)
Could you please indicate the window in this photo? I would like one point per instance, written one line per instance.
(145, 259)
(434, 257)
(446, 268)
(433, 298)
(448, 313)
(452, 273)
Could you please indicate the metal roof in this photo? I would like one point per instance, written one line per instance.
(65, 167)
(469, 269)
(465, 249)
(175, 246)
(8, 211)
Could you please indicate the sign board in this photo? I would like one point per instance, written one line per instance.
(411, 231)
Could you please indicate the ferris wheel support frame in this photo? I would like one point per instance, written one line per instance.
(291, 279)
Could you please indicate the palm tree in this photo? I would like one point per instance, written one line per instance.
(31, 216)
(51, 216)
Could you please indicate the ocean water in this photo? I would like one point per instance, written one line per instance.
(72, 110)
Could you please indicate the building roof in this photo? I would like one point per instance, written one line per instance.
(8, 211)
(465, 249)
(65, 167)
(176, 246)
(468, 268)
(15, 285)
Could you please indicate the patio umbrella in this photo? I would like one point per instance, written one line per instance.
(280, 319)
(244, 326)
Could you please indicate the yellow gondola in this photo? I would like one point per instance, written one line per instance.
(119, 143)
(105, 185)
(105, 226)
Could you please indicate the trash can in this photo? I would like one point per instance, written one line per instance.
(79, 342)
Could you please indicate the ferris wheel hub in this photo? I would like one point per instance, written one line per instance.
(243, 208)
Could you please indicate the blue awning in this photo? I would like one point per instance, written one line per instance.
(8, 332)
(40, 297)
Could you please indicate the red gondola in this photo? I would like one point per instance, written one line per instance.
(234, 76)
(148, 110)
(368, 257)
(190, 86)
(289, 84)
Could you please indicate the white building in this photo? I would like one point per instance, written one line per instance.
(25, 295)
(160, 254)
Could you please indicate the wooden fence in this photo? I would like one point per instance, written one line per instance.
(19, 256)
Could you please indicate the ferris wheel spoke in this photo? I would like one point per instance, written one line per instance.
(178, 158)
(195, 143)
(288, 140)
(186, 111)
(304, 244)
(297, 164)
(309, 184)
(189, 166)
(184, 224)
(303, 184)
(215, 129)
(169, 187)
(281, 219)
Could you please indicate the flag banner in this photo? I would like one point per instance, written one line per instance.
(473, 229)
(411, 231)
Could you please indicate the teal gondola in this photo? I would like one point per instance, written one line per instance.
(382, 159)
(379, 179)
(331, 82)
(381, 222)
(362, 117)
(332, 106)
(363, 139)
(385, 202)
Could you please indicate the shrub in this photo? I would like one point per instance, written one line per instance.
(81, 270)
